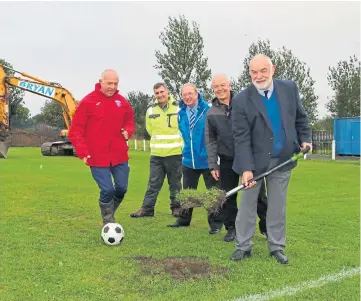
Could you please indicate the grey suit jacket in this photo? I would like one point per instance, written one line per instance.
(252, 131)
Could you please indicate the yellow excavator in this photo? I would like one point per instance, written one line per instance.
(50, 90)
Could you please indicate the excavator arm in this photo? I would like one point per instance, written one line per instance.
(50, 90)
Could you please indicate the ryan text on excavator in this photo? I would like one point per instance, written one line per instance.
(50, 90)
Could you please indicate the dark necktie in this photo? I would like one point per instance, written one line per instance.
(265, 93)
(192, 118)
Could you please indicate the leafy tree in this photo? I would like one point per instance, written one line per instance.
(51, 114)
(324, 124)
(288, 67)
(344, 80)
(139, 102)
(244, 78)
(183, 60)
(22, 116)
(16, 95)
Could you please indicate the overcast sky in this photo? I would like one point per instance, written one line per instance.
(73, 42)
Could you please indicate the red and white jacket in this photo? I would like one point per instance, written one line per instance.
(96, 128)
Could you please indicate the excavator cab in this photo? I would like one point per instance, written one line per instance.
(50, 90)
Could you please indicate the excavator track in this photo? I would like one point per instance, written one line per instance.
(58, 148)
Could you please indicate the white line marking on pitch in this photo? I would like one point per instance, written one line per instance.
(303, 286)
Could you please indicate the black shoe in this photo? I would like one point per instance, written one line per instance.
(280, 256)
(240, 255)
(214, 231)
(177, 225)
(264, 233)
(141, 213)
(231, 235)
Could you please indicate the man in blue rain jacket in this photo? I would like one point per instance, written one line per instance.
(191, 120)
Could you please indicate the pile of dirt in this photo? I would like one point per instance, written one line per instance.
(180, 268)
(28, 139)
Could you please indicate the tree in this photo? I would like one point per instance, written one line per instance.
(139, 102)
(16, 95)
(324, 124)
(22, 116)
(183, 61)
(51, 114)
(344, 80)
(244, 78)
(288, 67)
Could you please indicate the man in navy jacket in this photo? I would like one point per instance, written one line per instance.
(269, 125)
(191, 120)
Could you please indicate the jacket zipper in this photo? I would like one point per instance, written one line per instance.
(110, 140)
(192, 150)
(191, 130)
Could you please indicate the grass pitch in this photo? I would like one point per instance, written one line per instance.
(50, 245)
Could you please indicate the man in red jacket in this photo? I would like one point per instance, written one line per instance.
(101, 125)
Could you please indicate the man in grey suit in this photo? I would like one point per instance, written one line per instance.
(269, 125)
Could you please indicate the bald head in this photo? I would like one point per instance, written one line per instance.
(261, 70)
(109, 82)
(220, 77)
(109, 73)
(221, 88)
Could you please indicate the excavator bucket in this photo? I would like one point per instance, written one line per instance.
(5, 142)
(4, 149)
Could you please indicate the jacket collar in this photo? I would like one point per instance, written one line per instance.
(281, 94)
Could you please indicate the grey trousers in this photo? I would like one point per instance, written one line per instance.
(276, 184)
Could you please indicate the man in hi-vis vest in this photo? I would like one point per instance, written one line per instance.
(166, 151)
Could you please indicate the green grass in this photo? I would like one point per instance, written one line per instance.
(50, 247)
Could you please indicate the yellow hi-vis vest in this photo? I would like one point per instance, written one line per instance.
(162, 126)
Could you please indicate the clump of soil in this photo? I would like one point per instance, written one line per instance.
(212, 200)
(180, 268)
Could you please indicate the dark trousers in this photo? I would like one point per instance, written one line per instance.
(159, 168)
(229, 180)
(190, 181)
(103, 177)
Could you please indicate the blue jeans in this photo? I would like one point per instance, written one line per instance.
(103, 177)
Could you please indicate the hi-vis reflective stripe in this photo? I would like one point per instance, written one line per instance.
(164, 137)
(167, 145)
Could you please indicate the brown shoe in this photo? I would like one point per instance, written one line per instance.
(141, 213)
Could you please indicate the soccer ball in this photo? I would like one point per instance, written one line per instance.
(112, 234)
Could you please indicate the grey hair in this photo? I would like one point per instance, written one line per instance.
(261, 55)
(190, 85)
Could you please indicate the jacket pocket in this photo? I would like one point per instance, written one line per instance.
(172, 120)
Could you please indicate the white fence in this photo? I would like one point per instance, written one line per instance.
(143, 145)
